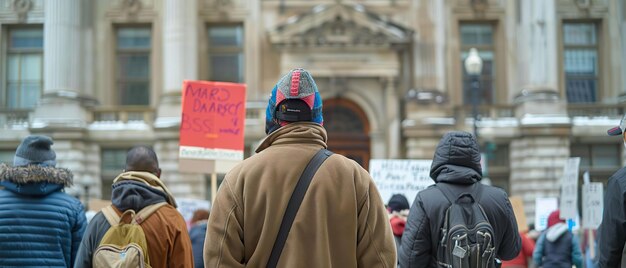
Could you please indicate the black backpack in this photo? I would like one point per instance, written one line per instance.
(466, 235)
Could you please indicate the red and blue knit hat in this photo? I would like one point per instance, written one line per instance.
(295, 98)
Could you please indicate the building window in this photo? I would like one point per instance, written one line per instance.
(226, 60)
(6, 156)
(601, 160)
(24, 68)
(580, 61)
(112, 163)
(479, 36)
(498, 169)
(133, 65)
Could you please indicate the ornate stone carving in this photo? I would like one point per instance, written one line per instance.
(22, 7)
(479, 5)
(132, 7)
(339, 26)
(583, 4)
(223, 4)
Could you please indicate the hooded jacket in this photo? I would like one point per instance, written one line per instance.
(342, 221)
(456, 165)
(557, 247)
(166, 233)
(40, 225)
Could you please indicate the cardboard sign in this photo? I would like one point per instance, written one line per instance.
(187, 206)
(212, 123)
(569, 189)
(593, 204)
(406, 177)
(520, 215)
(543, 207)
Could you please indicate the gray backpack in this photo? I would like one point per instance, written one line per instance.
(466, 236)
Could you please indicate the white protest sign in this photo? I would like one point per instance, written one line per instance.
(400, 176)
(569, 189)
(593, 204)
(543, 207)
(187, 206)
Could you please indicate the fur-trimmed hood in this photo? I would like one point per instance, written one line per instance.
(35, 180)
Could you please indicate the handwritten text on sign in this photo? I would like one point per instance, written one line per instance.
(592, 204)
(212, 119)
(406, 177)
(569, 189)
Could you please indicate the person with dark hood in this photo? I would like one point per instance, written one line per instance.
(165, 230)
(456, 170)
(40, 225)
(557, 247)
(341, 220)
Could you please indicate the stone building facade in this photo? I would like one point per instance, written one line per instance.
(102, 76)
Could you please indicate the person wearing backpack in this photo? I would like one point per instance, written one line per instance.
(143, 209)
(459, 222)
(40, 225)
(294, 203)
(557, 247)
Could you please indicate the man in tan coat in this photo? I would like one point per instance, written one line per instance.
(341, 222)
(139, 186)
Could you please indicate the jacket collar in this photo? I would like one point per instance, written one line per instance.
(296, 133)
(146, 179)
(35, 173)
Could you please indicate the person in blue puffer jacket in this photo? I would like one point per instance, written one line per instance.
(40, 225)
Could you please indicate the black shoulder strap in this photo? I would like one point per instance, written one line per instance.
(294, 204)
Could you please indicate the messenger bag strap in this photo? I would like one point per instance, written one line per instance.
(294, 204)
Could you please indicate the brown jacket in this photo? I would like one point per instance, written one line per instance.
(342, 221)
(166, 232)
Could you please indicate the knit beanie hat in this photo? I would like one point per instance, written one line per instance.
(554, 218)
(398, 202)
(35, 150)
(294, 98)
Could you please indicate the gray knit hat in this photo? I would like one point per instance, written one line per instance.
(35, 150)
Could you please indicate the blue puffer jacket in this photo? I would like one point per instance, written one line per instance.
(40, 225)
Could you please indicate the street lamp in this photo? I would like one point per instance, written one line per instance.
(473, 67)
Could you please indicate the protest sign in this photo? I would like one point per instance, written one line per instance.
(520, 215)
(569, 189)
(212, 126)
(593, 204)
(543, 207)
(398, 176)
(187, 206)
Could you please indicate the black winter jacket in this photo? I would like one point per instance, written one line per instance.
(456, 165)
(612, 234)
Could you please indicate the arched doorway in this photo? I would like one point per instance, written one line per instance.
(348, 130)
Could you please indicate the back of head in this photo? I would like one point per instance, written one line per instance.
(457, 148)
(398, 202)
(142, 158)
(35, 150)
(295, 98)
(554, 218)
(199, 215)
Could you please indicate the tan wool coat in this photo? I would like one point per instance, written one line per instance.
(342, 221)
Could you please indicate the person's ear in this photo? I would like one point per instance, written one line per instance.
(158, 173)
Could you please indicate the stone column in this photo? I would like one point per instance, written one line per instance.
(180, 53)
(392, 112)
(62, 104)
(537, 157)
(62, 112)
(537, 41)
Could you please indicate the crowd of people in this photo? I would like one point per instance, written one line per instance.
(292, 204)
